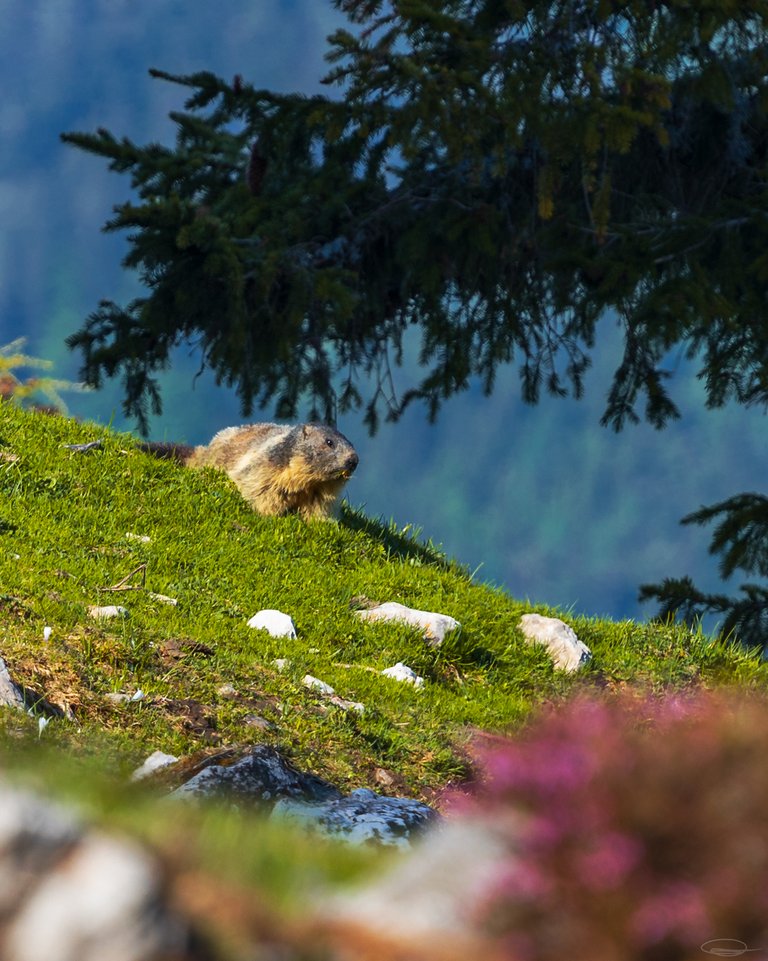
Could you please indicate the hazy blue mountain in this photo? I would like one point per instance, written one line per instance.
(542, 500)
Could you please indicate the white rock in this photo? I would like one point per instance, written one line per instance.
(47, 631)
(566, 650)
(155, 762)
(434, 626)
(274, 622)
(401, 672)
(315, 684)
(110, 610)
(282, 663)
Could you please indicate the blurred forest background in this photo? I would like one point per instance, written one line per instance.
(539, 500)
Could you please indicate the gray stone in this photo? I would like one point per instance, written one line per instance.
(117, 697)
(10, 692)
(568, 653)
(262, 775)
(363, 816)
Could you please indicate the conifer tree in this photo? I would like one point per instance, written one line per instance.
(741, 538)
(492, 175)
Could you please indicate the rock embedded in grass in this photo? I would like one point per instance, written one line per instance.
(434, 626)
(315, 684)
(263, 777)
(361, 818)
(568, 653)
(106, 612)
(262, 774)
(274, 622)
(330, 695)
(401, 672)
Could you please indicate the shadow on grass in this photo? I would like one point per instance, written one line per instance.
(398, 543)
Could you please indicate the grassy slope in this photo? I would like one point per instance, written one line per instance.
(63, 524)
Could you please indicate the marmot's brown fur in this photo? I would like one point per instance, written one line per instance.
(279, 469)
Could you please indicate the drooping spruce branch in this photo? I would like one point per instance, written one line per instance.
(491, 176)
(741, 540)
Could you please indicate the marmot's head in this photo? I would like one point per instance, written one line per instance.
(327, 452)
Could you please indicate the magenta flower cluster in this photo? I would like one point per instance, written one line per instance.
(634, 827)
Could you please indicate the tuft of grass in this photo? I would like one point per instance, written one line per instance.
(70, 537)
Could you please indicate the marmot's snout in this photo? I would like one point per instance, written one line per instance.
(351, 463)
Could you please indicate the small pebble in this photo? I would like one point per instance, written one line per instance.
(346, 705)
(316, 684)
(401, 672)
(258, 722)
(142, 538)
(110, 610)
(155, 762)
(117, 697)
(163, 598)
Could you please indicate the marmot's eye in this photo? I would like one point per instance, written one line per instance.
(330, 442)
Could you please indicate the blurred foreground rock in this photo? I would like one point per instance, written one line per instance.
(72, 894)
(425, 907)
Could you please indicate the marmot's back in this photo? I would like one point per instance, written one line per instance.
(282, 469)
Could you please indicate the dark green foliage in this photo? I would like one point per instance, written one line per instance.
(497, 174)
(741, 538)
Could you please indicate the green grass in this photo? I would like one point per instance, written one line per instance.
(64, 518)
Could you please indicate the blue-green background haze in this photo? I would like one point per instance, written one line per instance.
(540, 500)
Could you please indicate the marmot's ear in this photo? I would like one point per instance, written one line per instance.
(304, 430)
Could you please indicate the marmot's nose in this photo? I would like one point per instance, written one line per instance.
(351, 463)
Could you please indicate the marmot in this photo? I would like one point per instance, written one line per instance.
(278, 469)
